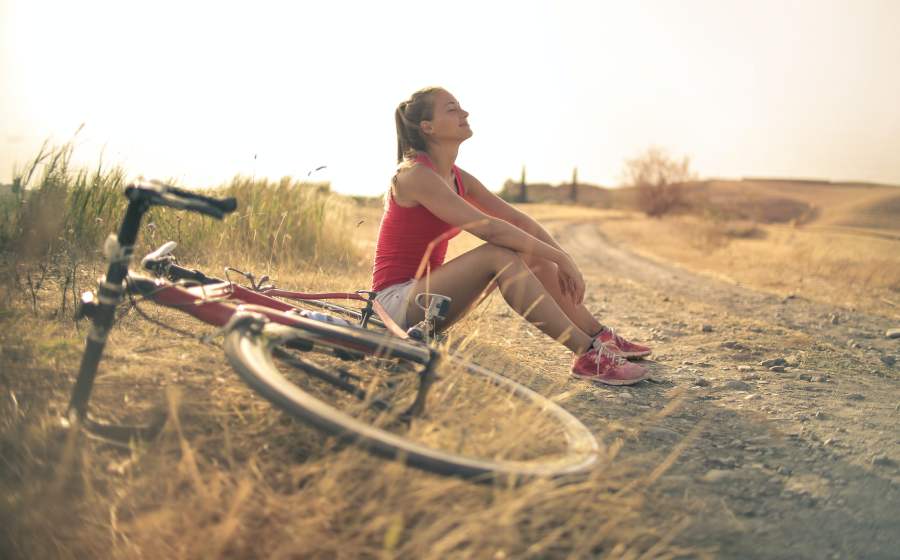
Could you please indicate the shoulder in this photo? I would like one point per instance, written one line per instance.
(467, 177)
(473, 187)
(412, 180)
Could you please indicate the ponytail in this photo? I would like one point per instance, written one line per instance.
(408, 116)
(403, 144)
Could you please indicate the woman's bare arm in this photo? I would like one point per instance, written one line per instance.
(493, 205)
(426, 188)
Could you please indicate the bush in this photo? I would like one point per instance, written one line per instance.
(659, 181)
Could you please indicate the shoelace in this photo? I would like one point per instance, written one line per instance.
(616, 339)
(604, 351)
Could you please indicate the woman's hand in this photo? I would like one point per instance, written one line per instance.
(571, 283)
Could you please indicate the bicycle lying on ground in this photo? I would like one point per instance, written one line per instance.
(394, 396)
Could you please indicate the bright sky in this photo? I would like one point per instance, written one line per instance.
(202, 91)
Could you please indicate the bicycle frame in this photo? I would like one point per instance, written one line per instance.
(165, 267)
(218, 303)
(435, 306)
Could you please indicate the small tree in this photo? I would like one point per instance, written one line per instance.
(659, 179)
(573, 194)
(523, 193)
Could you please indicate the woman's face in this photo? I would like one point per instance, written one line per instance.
(449, 121)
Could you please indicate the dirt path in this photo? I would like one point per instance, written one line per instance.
(799, 462)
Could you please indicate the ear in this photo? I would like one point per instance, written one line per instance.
(426, 127)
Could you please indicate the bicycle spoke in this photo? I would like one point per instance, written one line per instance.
(340, 381)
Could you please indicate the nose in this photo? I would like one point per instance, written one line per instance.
(465, 114)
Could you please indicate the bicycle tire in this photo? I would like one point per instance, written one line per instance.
(249, 346)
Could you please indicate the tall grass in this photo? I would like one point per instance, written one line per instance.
(59, 210)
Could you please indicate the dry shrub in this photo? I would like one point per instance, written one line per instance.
(659, 180)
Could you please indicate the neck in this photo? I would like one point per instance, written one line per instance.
(443, 156)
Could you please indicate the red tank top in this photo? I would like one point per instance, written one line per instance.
(404, 235)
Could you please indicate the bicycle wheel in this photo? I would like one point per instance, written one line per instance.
(476, 423)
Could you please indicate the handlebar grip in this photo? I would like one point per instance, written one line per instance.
(155, 192)
(224, 205)
(201, 207)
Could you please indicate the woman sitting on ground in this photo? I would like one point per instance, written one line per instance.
(430, 200)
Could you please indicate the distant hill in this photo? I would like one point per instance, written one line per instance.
(586, 194)
(763, 199)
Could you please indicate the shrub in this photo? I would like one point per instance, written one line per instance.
(658, 179)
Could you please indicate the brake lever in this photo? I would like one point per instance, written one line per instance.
(247, 275)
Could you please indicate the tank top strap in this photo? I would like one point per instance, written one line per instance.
(422, 157)
(460, 187)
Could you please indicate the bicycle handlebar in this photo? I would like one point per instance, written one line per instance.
(162, 264)
(160, 194)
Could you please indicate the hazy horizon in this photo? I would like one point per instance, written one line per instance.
(202, 92)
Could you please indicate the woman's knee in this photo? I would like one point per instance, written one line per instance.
(538, 265)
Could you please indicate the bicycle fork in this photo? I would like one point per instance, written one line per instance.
(118, 250)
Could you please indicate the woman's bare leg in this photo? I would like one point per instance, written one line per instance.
(465, 278)
(546, 272)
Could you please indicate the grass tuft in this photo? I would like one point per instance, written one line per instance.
(58, 211)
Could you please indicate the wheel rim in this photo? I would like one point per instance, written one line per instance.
(251, 355)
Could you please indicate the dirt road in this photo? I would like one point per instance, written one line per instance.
(797, 459)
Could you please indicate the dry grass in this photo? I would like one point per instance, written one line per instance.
(58, 214)
(855, 268)
(232, 477)
(851, 269)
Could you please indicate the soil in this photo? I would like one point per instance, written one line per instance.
(795, 460)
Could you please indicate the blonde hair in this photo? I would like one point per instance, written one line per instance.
(408, 117)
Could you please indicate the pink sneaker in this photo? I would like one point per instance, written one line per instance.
(621, 347)
(602, 366)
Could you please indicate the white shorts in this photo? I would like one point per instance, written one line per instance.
(395, 300)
